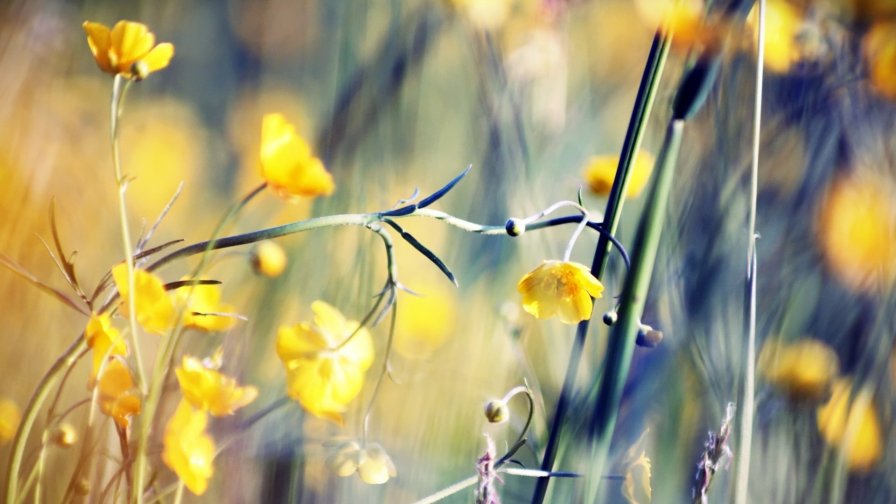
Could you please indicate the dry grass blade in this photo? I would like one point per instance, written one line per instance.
(27, 275)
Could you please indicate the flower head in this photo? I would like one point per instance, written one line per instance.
(104, 339)
(10, 416)
(118, 397)
(850, 422)
(203, 308)
(287, 163)
(560, 288)
(188, 449)
(207, 389)
(803, 369)
(372, 463)
(155, 310)
(129, 49)
(324, 373)
(600, 172)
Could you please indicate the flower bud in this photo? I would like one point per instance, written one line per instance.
(140, 70)
(648, 337)
(82, 487)
(65, 436)
(611, 317)
(496, 411)
(268, 259)
(515, 227)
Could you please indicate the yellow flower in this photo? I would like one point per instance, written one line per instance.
(209, 390)
(118, 398)
(287, 163)
(636, 487)
(188, 449)
(10, 416)
(880, 54)
(857, 231)
(372, 463)
(684, 18)
(104, 339)
(203, 303)
(322, 375)
(268, 259)
(850, 423)
(601, 170)
(155, 310)
(803, 369)
(128, 49)
(560, 288)
(783, 35)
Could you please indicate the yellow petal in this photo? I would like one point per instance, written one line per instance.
(209, 390)
(287, 164)
(851, 424)
(130, 41)
(104, 339)
(99, 41)
(10, 416)
(188, 449)
(375, 467)
(559, 288)
(159, 57)
(155, 310)
(118, 397)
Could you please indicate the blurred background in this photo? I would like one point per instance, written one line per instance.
(397, 95)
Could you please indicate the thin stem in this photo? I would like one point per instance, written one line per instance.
(640, 113)
(574, 238)
(746, 431)
(119, 89)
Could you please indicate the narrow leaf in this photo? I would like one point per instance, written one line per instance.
(432, 198)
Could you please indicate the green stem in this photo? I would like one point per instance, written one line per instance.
(643, 104)
(621, 342)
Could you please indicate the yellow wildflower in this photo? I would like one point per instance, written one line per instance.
(636, 487)
(118, 398)
(104, 339)
(600, 172)
(209, 390)
(850, 423)
(783, 35)
(560, 288)
(684, 18)
(203, 304)
(372, 463)
(155, 310)
(129, 49)
(268, 259)
(880, 54)
(287, 163)
(803, 369)
(323, 374)
(10, 416)
(857, 231)
(188, 449)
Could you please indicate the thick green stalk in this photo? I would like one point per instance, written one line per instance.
(621, 343)
(643, 104)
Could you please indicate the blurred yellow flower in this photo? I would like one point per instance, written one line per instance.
(118, 397)
(209, 390)
(558, 288)
(155, 309)
(104, 339)
(783, 29)
(372, 463)
(601, 170)
(268, 258)
(287, 163)
(684, 18)
(323, 372)
(851, 423)
(425, 321)
(203, 304)
(879, 48)
(129, 49)
(857, 231)
(10, 416)
(803, 369)
(188, 449)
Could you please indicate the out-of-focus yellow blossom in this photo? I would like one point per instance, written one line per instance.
(10, 416)
(601, 170)
(322, 375)
(684, 18)
(118, 398)
(128, 49)
(287, 163)
(207, 389)
(484, 14)
(880, 54)
(857, 231)
(851, 424)
(636, 487)
(104, 339)
(803, 369)
(202, 302)
(155, 309)
(425, 322)
(188, 449)
(562, 289)
(784, 34)
(268, 258)
(372, 463)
